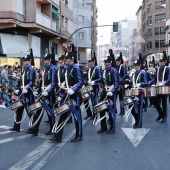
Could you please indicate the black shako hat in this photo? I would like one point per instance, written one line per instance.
(62, 57)
(137, 63)
(118, 59)
(69, 55)
(27, 58)
(47, 57)
(108, 60)
(91, 60)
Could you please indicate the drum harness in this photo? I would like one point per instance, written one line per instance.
(56, 128)
(97, 119)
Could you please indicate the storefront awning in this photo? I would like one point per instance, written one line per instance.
(14, 45)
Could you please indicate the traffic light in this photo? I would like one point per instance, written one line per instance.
(115, 26)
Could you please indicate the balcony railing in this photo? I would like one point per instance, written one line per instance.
(47, 22)
(56, 2)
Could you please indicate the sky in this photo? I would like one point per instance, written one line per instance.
(110, 11)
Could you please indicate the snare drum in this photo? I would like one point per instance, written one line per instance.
(162, 90)
(146, 92)
(85, 96)
(16, 105)
(100, 106)
(126, 102)
(57, 99)
(134, 92)
(128, 93)
(87, 89)
(34, 107)
(62, 109)
(153, 91)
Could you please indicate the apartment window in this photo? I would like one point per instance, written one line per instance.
(66, 23)
(81, 2)
(149, 45)
(158, 4)
(55, 46)
(81, 35)
(161, 29)
(149, 8)
(149, 33)
(160, 17)
(62, 21)
(55, 14)
(20, 7)
(81, 18)
(149, 21)
(162, 43)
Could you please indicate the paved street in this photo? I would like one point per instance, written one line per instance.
(128, 149)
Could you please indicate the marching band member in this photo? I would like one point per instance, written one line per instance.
(111, 82)
(61, 79)
(94, 77)
(47, 90)
(152, 70)
(73, 82)
(122, 76)
(28, 79)
(162, 78)
(139, 80)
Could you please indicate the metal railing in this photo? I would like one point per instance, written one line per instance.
(47, 22)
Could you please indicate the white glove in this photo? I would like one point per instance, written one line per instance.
(62, 85)
(91, 83)
(126, 85)
(16, 91)
(25, 91)
(88, 82)
(160, 84)
(109, 93)
(138, 85)
(70, 91)
(44, 93)
(83, 86)
(35, 93)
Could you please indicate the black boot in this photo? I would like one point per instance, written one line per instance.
(158, 118)
(77, 139)
(14, 129)
(101, 131)
(55, 140)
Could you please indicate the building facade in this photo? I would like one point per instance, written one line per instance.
(120, 40)
(167, 28)
(153, 23)
(103, 52)
(36, 24)
(84, 39)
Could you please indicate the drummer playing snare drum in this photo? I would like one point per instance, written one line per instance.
(162, 78)
(111, 83)
(139, 80)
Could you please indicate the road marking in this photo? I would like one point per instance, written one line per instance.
(5, 132)
(135, 135)
(7, 127)
(33, 156)
(14, 138)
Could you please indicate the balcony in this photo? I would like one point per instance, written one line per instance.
(56, 2)
(47, 22)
